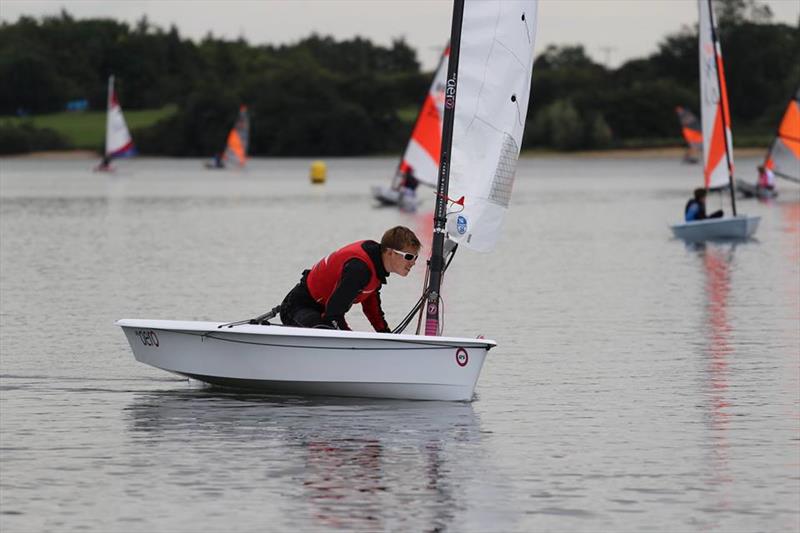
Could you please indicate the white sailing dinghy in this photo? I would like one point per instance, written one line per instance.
(493, 42)
(422, 151)
(118, 139)
(783, 155)
(717, 140)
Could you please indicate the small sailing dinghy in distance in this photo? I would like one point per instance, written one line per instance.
(486, 105)
(118, 139)
(692, 134)
(783, 156)
(236, 144)
(717, 141)
(422, 151)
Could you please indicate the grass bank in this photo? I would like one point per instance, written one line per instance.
(86, 130)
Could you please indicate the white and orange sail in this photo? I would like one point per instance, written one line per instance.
(716, 120)
(422, 150)
(238, 139)
(783, 156)
(118, 139)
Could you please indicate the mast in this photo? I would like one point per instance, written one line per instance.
(440, 214)
(723, 108)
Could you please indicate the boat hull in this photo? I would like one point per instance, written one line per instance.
(710, 229)
(750, 190)
(285, 360)
(390, 197)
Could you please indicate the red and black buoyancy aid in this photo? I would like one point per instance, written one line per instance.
(324, 277)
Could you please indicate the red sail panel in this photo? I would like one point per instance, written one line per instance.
(428, 130)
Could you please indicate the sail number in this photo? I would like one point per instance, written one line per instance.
(148, 337)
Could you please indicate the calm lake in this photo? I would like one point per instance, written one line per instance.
(638, 384)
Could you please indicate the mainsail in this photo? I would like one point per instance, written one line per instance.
(238, 139)
(486, 103)
(494, 79)
(783, 156)
(422, 150)
(118, 138)
(717, 138)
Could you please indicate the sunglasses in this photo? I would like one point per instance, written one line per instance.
(407, 256)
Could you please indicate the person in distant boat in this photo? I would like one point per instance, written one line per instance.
(104, 165)
(219, 161)
(352, 274)
(696, 207)
(410, 181)
(766, 178)
(408, 190)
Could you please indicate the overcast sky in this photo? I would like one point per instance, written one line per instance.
(612, 31)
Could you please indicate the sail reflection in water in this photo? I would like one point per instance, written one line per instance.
(716, 262)
(338, 463)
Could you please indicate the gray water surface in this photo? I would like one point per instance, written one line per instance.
(638, 384)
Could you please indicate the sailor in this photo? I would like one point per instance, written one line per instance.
(104, 165)
(352, 274)
(696, 207)
(408, 190)
(766, 178)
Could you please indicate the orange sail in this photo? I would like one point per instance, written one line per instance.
(783, 156)
(238, 139)
(690, 127)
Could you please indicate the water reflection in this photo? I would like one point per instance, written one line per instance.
(352, 464)
(791, 229)
(716, 262)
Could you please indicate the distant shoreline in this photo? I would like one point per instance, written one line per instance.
(625, 153)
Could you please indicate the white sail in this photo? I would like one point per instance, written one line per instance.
(713, 104)
(118, 138)
(494, 78)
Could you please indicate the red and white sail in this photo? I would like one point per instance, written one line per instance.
(783, 156)
(493, 88)
(425, 144)
(717, 138)
(118, 139)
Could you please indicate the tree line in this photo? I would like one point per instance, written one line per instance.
(322, 96)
